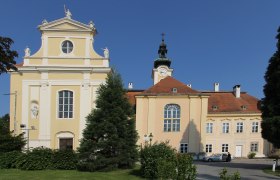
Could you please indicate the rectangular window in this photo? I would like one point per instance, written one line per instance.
(176, 125)
(209, 127)
(255, 127)
(65, 104)
(239, 127)
(65, 143)
(167, 125)
(225, 127)
(183, 147)
(254, 147)
(224, 147)
(208, 148)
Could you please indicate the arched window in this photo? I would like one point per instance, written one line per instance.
(172, 115)
(65, 104)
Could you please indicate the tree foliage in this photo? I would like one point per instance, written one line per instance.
(109, 139)
(271, 101)
(8, 141)
(7, 55)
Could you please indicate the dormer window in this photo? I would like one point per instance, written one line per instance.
(67, 47)
(174, 90)
(243, 107)
(215, 107)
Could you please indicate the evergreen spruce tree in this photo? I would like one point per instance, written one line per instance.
(271, 101)
(109, 139)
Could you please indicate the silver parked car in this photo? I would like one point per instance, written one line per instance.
(216, 157)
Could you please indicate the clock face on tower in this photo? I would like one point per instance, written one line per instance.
(162, 71)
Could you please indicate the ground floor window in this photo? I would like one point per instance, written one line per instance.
(224, 147)
(254, 147)
(208, 148)
(183, 147)
(65, 143)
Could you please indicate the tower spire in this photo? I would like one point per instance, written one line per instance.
(162, 51)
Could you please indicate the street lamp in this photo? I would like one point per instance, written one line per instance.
(15, 113)
(23, 127)
(148, 138)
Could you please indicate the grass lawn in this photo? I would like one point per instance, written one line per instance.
(14, 174)
(269, 171)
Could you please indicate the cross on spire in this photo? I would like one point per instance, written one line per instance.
(162, 34)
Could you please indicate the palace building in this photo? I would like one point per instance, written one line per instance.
(55, 88)
(197, 121)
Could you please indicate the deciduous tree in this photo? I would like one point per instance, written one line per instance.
(7, 56)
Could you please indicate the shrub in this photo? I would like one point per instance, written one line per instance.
(185, 168)
(251, 155)
(154, 158)
(8, 160)
(224, 176)
(37, 159)
(160, 161)
(64, 159)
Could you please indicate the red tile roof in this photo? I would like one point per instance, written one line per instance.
(226, 102)
(165, 86)
(19, 65)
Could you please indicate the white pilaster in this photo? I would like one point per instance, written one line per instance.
(45, 107)
(25, 107)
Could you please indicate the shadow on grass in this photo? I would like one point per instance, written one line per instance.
(136, 172)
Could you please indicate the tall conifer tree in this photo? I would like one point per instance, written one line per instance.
(271, 101)
(109, 139)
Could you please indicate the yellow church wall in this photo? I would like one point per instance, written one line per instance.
(66, 61)
(68, 34)
(98, 76)
(96, 62)
(54, 46)
(57, 76)
(65, 125)
(79, 46)
(35, 61)
(15, 86)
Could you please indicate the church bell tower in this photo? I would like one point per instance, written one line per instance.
(161, 64)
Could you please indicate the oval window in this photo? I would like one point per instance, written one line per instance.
(67, 47)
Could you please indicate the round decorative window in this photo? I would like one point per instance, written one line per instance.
(67, 47)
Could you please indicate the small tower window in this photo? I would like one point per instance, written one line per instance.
(174, 90)
(243, 107)
(67, 47)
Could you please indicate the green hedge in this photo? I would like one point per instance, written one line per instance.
(64, 159)
(39, 159)
(9, 159)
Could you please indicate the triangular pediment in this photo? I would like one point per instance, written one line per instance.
(65, 24)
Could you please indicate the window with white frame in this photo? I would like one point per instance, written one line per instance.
(209, 127)
(239, 127)
(208, 148)
(65, 104)
(255, 127)
(254, 147)
(172, 115)
(224, 147)
(225, 127)
(67, 46)
(183, 148)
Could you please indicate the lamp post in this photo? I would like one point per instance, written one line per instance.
(148, 139)
(15, 111)
(23, 127)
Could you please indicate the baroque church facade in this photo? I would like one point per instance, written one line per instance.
(56, 86)
(55, 89)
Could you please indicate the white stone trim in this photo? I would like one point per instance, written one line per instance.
(39, 142)
(45, 107)
(44, 75)
(26, 62)
(25, 108)
(87, 54)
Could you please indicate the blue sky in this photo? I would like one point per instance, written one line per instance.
(223, 41)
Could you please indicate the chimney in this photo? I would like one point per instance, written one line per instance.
(189, 85)
(130, 85)
(236, 91)
(216, 87)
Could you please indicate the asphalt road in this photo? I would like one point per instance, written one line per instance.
(249, 169)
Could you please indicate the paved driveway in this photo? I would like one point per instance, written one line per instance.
(248, 169)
